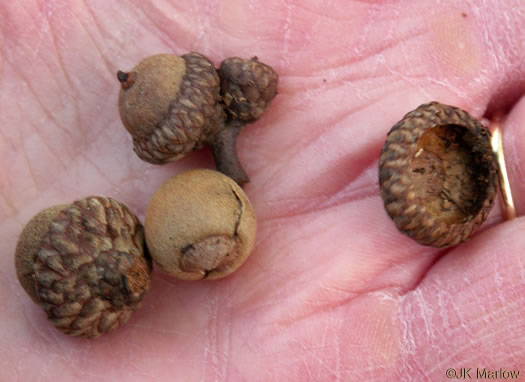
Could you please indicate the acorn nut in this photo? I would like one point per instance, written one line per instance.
(200, 225)
(172, 105)
(84, 264)
(438, 175)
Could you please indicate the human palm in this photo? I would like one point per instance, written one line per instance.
(332, 290)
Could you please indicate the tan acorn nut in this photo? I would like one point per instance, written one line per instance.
(438, 174)
(200, 225)
(170, 105)
(84, 264)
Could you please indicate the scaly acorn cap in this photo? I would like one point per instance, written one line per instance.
(89, 268)
(170, 105)
(438, 174)
(247, 87)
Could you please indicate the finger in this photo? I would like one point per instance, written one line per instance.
(514, 149)
(470, 302)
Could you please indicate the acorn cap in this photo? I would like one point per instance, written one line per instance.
(89, 268)
(247, 87)
(200, 225)
(170, 105)
(438, 174)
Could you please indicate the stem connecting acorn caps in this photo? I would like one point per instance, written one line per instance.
(438, 174)
(173, 105)
(85, 265)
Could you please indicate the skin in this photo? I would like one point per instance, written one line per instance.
(332, 291)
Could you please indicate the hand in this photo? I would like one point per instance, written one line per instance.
(332, 291)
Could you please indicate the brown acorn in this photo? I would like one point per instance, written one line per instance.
(172, 105)
(438, 174)
(85, 265)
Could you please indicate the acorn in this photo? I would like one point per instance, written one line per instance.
(200, 225)
(438, 175)
(170, 105)
(85, 265)
(173, 105)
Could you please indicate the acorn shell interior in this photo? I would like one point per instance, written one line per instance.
(448, 175)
